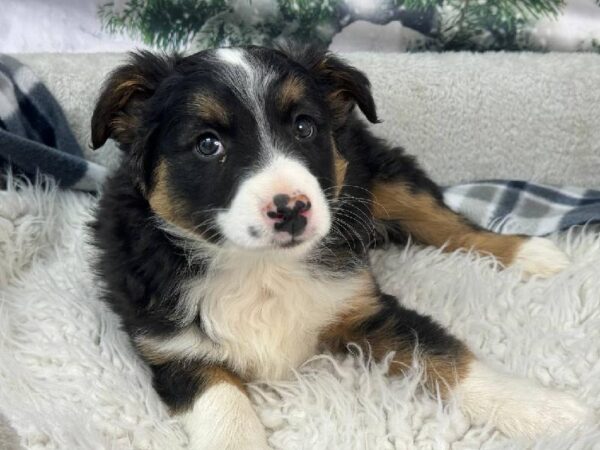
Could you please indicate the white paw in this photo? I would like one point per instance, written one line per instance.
(541, 257)
(518, 407)
(543, 412)
(222, 418)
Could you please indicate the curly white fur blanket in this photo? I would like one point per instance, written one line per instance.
(69, 379)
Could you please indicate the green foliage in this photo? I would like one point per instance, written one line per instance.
(169, 24)
(491, 25)
(448, 24)
(417, 5)
(309, 19)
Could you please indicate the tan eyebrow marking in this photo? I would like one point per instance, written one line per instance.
(291, 90)
(210, 109)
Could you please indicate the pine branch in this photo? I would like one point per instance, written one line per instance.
(168, 24)
(493, 25)
(450, 24)
(461, 17)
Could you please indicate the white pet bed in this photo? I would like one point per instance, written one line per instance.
(69, 378)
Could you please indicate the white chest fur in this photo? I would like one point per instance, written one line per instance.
(264, 313)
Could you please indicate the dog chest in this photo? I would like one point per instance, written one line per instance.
(266, 317)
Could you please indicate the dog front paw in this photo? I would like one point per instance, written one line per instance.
(222, 418)
(544, 412)
(518, 407)
(540, 257)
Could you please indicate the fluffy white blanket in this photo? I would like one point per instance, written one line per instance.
(70, 380)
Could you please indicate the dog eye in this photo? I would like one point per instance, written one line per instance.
(304, 127)
(209, 145)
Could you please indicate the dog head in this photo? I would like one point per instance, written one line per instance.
(234, 145)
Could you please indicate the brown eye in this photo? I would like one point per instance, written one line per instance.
(304, 127)
(209, 145)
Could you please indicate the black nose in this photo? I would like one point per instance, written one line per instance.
(288, 213)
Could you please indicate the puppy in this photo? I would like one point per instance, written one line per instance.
(233, 239)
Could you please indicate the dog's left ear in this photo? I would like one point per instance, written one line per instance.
(121, 101)
(345, 85)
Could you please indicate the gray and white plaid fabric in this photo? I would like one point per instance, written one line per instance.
(524, 208)
(34, 134)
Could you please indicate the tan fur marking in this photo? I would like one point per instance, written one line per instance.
(444, 374)
(339, 104)
(122, 124)
(218, 375)
(290, 92)
(431, 224)
(131, 85)
(151, 356)
(441, 373)
(340, 100)
(340, 168)
(151, 353)
(356, 310)
(210, 109)
(210, 376)
(163, 203)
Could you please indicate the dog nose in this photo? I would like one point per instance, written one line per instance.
(289, 213)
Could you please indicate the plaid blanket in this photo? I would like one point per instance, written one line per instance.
(34, 134)
(524, 208)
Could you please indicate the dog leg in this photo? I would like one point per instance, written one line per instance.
(516, 406)
(519, 408)
(212, 404)
(406, 202)
(426, 218)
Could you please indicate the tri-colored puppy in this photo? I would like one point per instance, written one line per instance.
(233, 240)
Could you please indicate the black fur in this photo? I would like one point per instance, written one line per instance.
(410, 329)
(147, 106)
(139, 263)
(178, 383)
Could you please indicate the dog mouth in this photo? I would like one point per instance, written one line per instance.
(286, 240)
(291, 243)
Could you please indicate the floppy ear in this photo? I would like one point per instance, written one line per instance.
(345, 85)
(119, 107)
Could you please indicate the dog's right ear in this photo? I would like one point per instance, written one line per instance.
(119, 107)
(344, 85)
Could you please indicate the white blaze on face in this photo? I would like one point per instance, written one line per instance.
(246, 223)
(249, 80)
